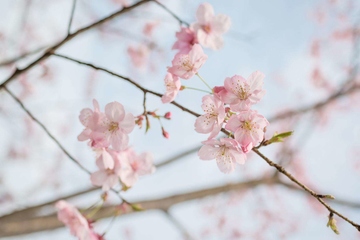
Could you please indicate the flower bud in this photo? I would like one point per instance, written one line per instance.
(165, 133)
(168, 115)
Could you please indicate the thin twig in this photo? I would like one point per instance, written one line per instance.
(45, 129)
(21, 56)
(178, 225)
(128, 80)
(71, 16)
(171, 13)
(303, 186)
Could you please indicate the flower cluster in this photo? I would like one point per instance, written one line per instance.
(207, 32)
(79, 226)
(107, 133)
(229, 107)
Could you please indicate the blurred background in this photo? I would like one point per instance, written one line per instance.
(309, 52)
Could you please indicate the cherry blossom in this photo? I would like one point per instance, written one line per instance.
(187, 65)
(226, 151)
(173, 85)
(109, 177)
(241, 93)
(209, 27)
(211, 121)
(137, 165)
(91, 121)
(73, 219)
(186, 38)
(248, 127)
(117, 125)
(105, 157)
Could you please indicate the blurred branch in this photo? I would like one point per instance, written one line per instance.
(179, 226)
(69, 37)
(21, 56)
(48, 222)
(316, 106)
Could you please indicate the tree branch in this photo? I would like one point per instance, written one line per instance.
(69, 37)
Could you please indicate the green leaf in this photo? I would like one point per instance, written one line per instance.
(278, 137)
(136, 207)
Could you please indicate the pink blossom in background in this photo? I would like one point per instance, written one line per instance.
(186, 39)
(241, 93)
(139, 55)
(226, 151)
(73, 219)
(209, 28)
(123, 3)
(137, 165)
(118, 125)
(149, 28)
(173, 85)
(211, 121)
(248, 127)
(187, 65)
(106, 177)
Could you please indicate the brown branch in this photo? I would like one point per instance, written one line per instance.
(46, 130)
(341, 202)
(303, 186)
(144, 90)
(42, 223)
(69, 37)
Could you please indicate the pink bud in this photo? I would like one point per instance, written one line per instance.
(227, 109)
(165, 133)
(167, 115)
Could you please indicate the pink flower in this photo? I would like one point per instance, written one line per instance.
(109, 177)
(117, 125)
(186, 38)
(139, 55)
(209, 27)
(138, 165)
(78, 224)
(91, 120)
(211, 121)
(104, 156)
(173, 85)
(187, 65)
(226, 152)
(248, 127)
(241, 93)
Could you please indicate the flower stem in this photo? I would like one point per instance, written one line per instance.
(197, 89)
(197, 74)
